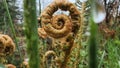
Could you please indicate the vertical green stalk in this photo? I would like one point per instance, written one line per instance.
(30, 23)
(101, 60)
(93, 37)
(93, 45)
(12, 27)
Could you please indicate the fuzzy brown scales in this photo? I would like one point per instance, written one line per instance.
(70, 23)
(63, 43)
(2, 45)
(49, 58)
(59, 21)
(48, 54)
(42, 33)
(61, 29)
(7, 44)
(56, 60)
(60, 26)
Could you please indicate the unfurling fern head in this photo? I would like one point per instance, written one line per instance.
(60, 25)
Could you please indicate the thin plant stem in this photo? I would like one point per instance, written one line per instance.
(99, 66)
(12, 28)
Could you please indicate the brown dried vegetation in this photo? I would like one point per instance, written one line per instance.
(107, 33)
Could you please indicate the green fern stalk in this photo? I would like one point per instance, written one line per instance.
(93, 45)
(30, 23)
(93, 38)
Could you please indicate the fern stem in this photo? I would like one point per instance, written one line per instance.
(93, 38)
(80, 32)
(30, 23)
(93, 45)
